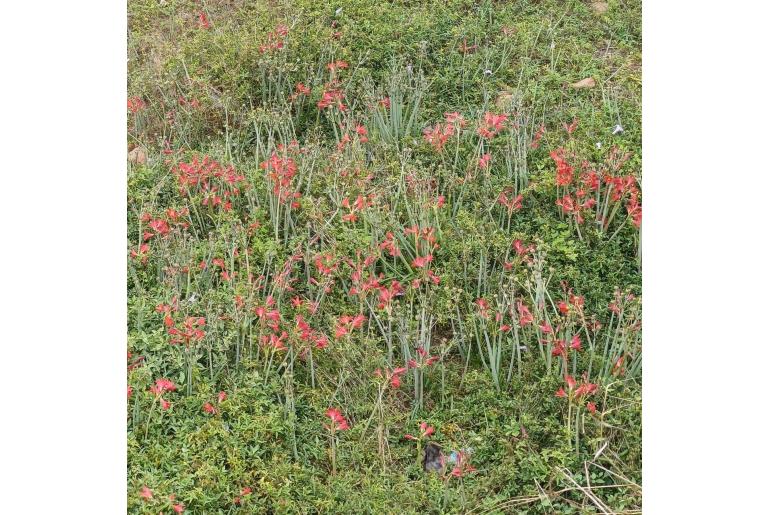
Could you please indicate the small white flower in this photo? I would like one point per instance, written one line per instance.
(487, 72)
(338, 11)
(192, 299)
(618, 129)
(599, 145)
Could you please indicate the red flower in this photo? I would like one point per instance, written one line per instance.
(130, 391)
(179, 508)
(422, 261)
(564, 172)
(162, 385)
(561, 393)
(338, 422)
(462, 466)
(203, 21)
(572, 126)
(538, 135)
(425, 431)
(525, 317)
(146, 493)
(438, 135)
(136, 104)
(491, 125)
(484, 160)
(209, 408)
(221, 397)
(570, 381)
(575, 343)
(455, 119)
(390, 245)
(585, 389)
(336, 65)
(591, 407)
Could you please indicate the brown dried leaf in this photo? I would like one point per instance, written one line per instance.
(599, 7)
(588, 82)
(138, 156)
(504, 100)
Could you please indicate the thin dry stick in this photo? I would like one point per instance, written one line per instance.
(587, 492)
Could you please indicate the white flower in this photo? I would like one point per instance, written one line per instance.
(618, 129)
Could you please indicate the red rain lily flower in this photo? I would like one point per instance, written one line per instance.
(462, 466)
(538, 136)
(338, 422)
(423, 359)
(336, 65)
(455, 119)
(146, 493)
(564, 172)
(392, 376)
(510, 202)
(390, 245)
(347, 323)
(422, 261)
(525, 316)
(189, 332)
(438, 135)
(203, 21)
(209, 408)
(491, 125)
(571, 127)
(570, 381)
(136, 104)
(162, 385)
(425, 431)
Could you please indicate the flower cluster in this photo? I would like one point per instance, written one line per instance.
(136, 104)
(491, 124)
(346, 324)
(275, 39)
(160, 387)
(189, 331)
(392, 377)
(280, 171)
